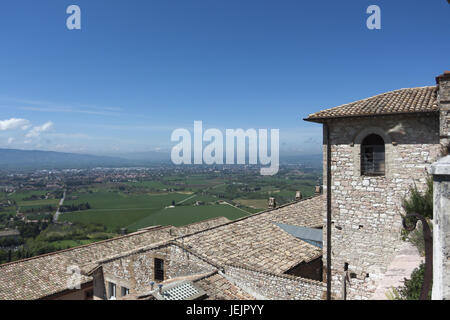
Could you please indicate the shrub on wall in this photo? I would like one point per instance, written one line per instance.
(421, 203)
(412, 287)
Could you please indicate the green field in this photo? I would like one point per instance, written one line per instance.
(116, 209)
(136, 218)
(253, 203)
(148, 184)
(38, 203)
(144, 203)
(119, 200)
(183, 215)
(8, 211)
(30, 204)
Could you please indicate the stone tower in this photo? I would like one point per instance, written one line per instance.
(380, 148)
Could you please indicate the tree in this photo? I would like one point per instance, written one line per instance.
(421, 203)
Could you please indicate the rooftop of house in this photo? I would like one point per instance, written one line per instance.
(402, 101)
(254, 241)
(44, 275)
(257, 242)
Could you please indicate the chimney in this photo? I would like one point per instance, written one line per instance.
(272, 203)
(443, 86)
(298, 196)
(318, 190)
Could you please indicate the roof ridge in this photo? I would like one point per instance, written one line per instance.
(201, 221)
(212, 273)
(196, 254)
(152, 246)
(279, 275)
(124, 254)
(84, 246)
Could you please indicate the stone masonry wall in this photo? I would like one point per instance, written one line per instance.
(136, 271)
(444, 106)
(366, 211)
(441, 229)
(268, 286)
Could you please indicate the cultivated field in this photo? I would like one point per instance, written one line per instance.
(117, 209)
(183, 215)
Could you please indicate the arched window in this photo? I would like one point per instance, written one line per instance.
(372, 156)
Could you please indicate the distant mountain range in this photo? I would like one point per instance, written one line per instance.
(34, 159)
(28, 159)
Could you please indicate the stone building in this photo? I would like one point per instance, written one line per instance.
(380, 147)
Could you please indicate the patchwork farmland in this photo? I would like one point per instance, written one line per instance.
(117, 209)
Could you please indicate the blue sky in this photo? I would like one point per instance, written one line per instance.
(138, 69)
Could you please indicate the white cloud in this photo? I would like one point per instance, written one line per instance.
(14, 123)
(10, 140)
(36, 131)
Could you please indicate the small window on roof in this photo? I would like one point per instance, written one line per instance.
(372, 156)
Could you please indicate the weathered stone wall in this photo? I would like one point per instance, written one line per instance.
(443, 83)
(136, 271)
(366, 211)
(441, 229)
(268, 286)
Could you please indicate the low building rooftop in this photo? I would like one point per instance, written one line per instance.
(45, 275)
(402, 101)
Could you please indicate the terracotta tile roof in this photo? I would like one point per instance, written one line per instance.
(219, 288)
(41, 276)
(307, 213)
(202, 225)
(257, 242)
(410, 100)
